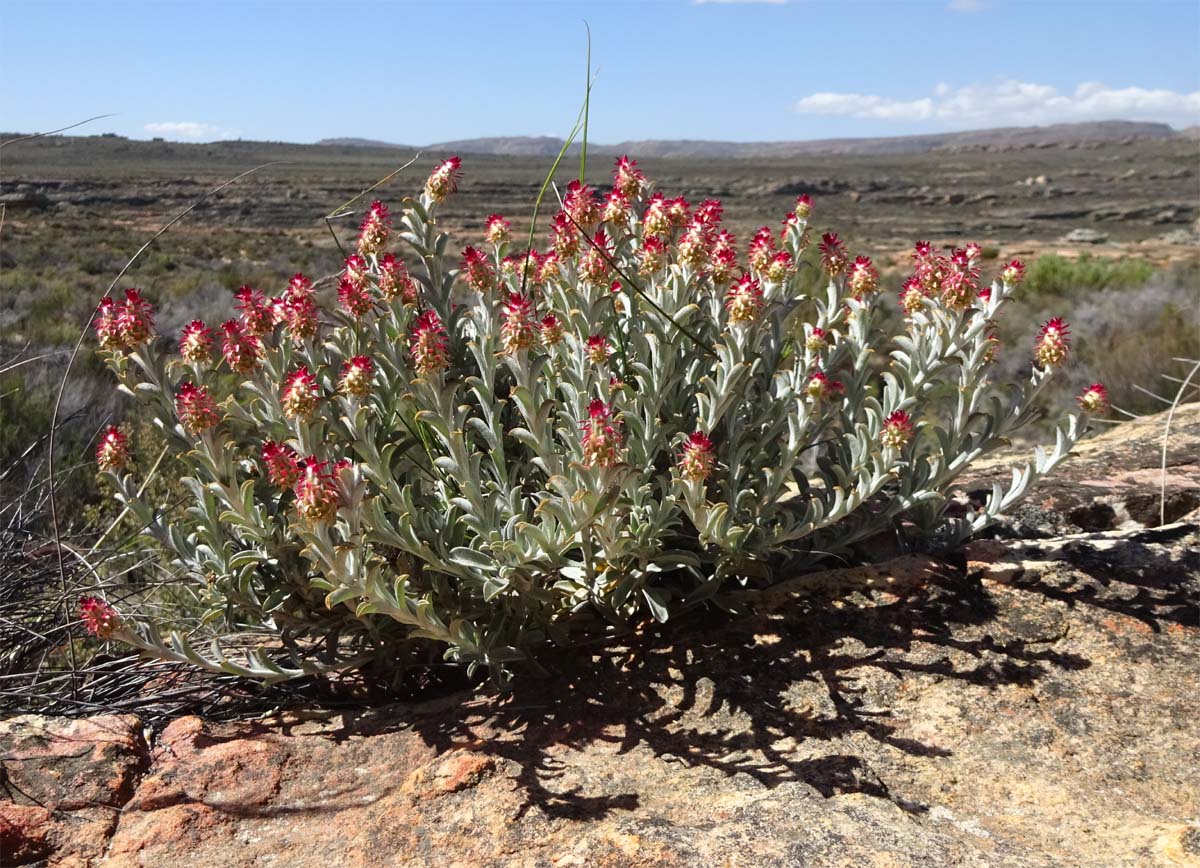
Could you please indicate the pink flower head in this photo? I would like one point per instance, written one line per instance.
(744, 300)
(498, 230)
(356, 270)
(762, 249)
(780, 266)
(257, 318)
(564, 236)
(580, 202)
(300, 317)
(677, 212)
(628, 179)
(105, 324)
(1094, 399)
(1053, 343)
(300, 394)
(912, 296)
(973, 251)
(317, 494)
(375, 228)
(354, 298)
(282, 464)
(656, 222)
(833, 254)
(428, 344)
(112, 452)
(897, 430)
(821, 388)
(862, 279)
(616, 207)
(519, 331)
(594, 265)
(803, 206)
(598, 349)
(653, 256)
(478, 270)
(241, 349)
(1013, 273)
(922, 250)
(960, 281)
(99, 618)
(601, 436)
(195, 343)
(549, 269)
(297, 286)
(135, 319)
(693, 247)
(697, 458)
(552, 330)
(722, 258)
(817, 339)
(355, 380)
(394, 280)
(195, 408)
(443, 180)
(708, 213)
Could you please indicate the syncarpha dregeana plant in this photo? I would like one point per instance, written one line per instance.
(514, 446)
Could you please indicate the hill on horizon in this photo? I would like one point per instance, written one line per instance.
(998, 138)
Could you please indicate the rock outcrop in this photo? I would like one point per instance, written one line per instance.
(1033, 705)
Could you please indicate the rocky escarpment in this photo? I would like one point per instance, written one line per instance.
(1032, 704)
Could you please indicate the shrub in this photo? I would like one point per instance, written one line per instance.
(1056, 276)
(535, 445)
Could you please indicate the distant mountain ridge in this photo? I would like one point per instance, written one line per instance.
(997, 138)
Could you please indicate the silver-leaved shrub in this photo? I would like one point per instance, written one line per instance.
(499, 451)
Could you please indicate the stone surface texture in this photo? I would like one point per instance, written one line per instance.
(1033, 705)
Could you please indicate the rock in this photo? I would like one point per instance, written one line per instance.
(1031, 705)
(1179, 236)
(1113, 481)
(1086, 236)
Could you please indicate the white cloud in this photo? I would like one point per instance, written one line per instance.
(1013, 102)
(966, 6)
(192, 131)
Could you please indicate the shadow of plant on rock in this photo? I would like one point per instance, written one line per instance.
(779, 698)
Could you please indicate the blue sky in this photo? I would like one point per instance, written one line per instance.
(421, 72)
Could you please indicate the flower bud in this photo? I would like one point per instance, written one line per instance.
(598, 349)
(355, 381)
(552, 330)
(195, 343)
(601, 436)
(744, 300)
(498, 230)
(195, 409)
(428, 344)
(697, 458)
(112, 453)
(317, 494)
(99, 618)
(300, 394)
(443, 180)
(282, 464)
(1053, 343)
(135, 319)
(241, 350)
(897, 430)
(375, 228)
(519, 330)
(1094, 399)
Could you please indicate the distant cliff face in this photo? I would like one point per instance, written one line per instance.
(999, 138)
